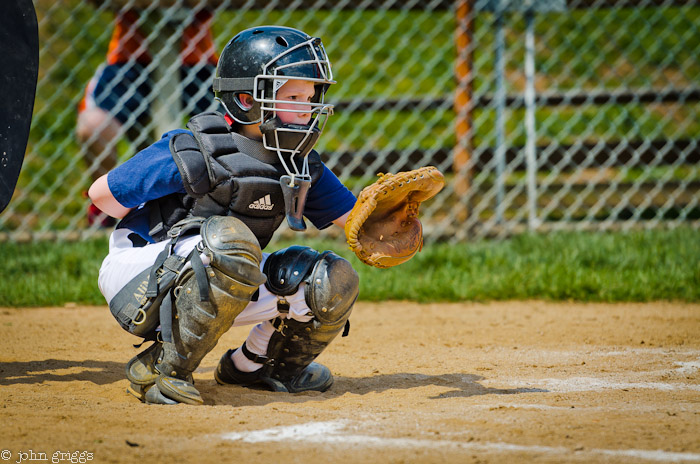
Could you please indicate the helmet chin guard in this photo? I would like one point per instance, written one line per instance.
(292, 142)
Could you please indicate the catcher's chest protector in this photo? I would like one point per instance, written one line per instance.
(222, 181)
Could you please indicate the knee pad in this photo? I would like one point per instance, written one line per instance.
(232, 249)
(332, 285)
(231, 278)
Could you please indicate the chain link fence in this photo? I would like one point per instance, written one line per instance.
(543, 114)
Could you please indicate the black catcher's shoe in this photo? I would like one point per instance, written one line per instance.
(314, 377)
(149, 386)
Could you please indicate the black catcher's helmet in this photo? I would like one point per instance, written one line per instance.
(251, 60)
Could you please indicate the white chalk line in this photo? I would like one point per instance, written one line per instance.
(332, 432)
(653, 351)
(600, 351)
(582, 384)
(688, 367)
(572, 409)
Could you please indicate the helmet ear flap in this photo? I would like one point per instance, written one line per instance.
(245, 105)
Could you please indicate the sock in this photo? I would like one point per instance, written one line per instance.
(256, 342)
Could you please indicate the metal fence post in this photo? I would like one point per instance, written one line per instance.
(530, 148)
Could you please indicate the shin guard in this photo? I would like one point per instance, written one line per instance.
(206, 301)
(331, 288)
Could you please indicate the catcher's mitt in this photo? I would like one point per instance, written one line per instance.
(383, 227)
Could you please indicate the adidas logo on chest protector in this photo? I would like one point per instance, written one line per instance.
(263, 203)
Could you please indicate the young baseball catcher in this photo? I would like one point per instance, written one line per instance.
(197, 208)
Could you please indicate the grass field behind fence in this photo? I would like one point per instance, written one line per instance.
(596, 267)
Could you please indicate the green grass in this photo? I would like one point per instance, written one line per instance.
(48, 274)
(637, 266)
(604, 267)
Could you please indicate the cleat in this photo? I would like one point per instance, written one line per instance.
(138, 391)
(149, 394)
(179, 390)
(314, 377)
(226, 373)
(154, 396)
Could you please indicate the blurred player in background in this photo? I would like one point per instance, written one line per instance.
(198, 207)
(117, 99)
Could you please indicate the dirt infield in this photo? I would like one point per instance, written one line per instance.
(455, 383)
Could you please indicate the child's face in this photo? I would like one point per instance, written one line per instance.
(295, 91)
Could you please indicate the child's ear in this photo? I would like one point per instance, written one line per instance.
(246, 100)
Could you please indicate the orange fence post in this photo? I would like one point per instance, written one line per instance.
(462, 104)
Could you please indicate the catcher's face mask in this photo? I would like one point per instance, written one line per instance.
(258, 62)
(291, 141)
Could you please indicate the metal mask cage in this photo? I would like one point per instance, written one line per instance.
(320, 111)
(320, 62)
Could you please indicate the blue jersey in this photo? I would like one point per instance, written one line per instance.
(152, 173)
